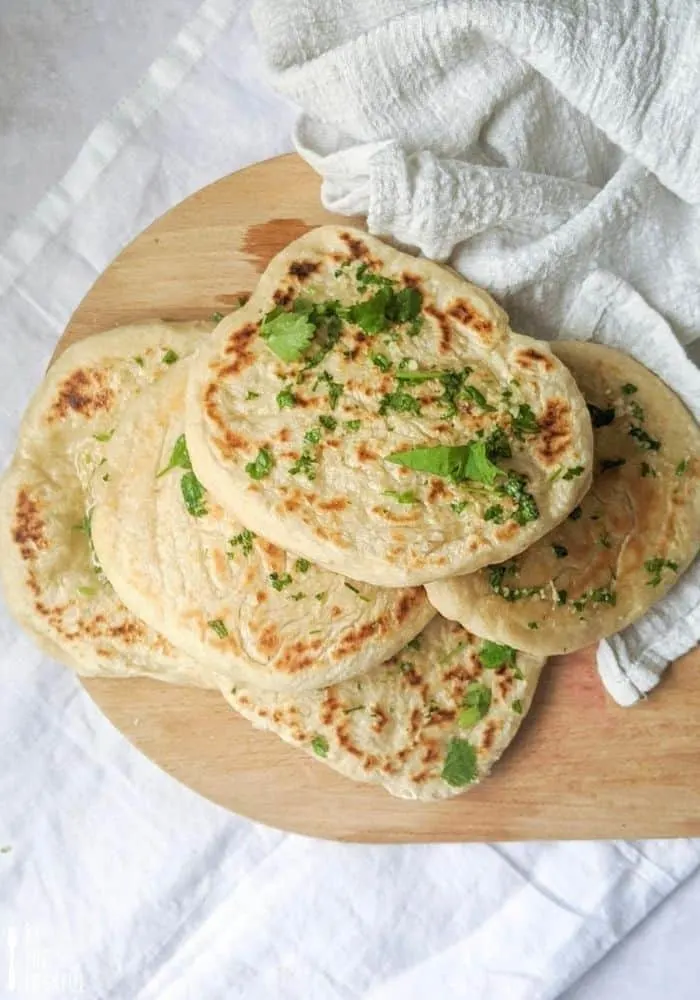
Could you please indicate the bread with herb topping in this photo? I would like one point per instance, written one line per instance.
(624, 547)
(372, 411)
(233, 601)
(427, 724)
(53, 584)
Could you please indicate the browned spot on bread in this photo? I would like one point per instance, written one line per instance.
(269, 640)
(337, 503)
(457, 673)
(416, 721)
(220, 561)
(355, 638)
(261, 597)
(358, 249)
(489, 734)
(28, 528)
(407, 516)
(365, 453)
(380, 718)
(409, 600)
(437, 491)
(85, 391)
(529, 358)
(291, 504)
(301, 269)
(442, 715)
(282, 296)
(506, 531)
(444, 327)
(270, 550)
(284, 435)
(344, 740)
(412, 677)
(329, 707)
(238, 346)
(264, 240)
(555, 431)
(411, 280)
(464, 312)
(431, 752)
(336, 612)
(370, 762)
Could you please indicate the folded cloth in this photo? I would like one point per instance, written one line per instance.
(550, 152)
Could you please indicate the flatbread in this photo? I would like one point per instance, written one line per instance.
(299, 450)
(427, 724)
(51, 581)
(633, 535)
(230, 599)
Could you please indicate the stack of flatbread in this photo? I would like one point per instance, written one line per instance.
(360, 506)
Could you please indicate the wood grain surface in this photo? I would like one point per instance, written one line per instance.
(581, 767)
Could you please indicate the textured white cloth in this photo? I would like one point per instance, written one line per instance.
(551, 152)
(119, 884)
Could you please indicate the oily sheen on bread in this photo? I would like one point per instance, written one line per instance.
(427, 724)
(52, 582)
(626, 544)
(232, 600)
(375, 414)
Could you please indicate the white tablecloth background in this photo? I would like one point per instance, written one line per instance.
(117, 882)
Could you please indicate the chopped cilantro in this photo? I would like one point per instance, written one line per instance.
(286, 398)
(497, 575)
(498, 445)
(611, 463)
(262, 466)
(356, 591)
(298, 596)
(279, 580)
(179, 457)
(533, 625)
(319, 745)
(170, 357)
(218, 626)
(604, 541)
(87, 591)
(287, 334)
(371, 315)
(456, 462)
(575, 514)
(460, 767)
(644, 440)
(636, 410)
(452, 383)
(458, 506)
(517, 706)
(245, 540)
(650, 471)
(494, 513)
(562, 596)
(313, 436)
(600, 417)
(328, 422)
(560, 551)
(139, 361)
(302, 565)
(252, 395)
(216, 317)
(471, 392)
(475, 705)
(526, 505)
(405, 305)
(655, 568)
(413, 644)
(494, 655)
(321, 596)
(399, 402)
(335, 389)
(408, 375)
(628, 389)
(381, 361)
(355, 708)
(405, 497)
(193, 494)
(524, 422)
(107, 436)
(574, 471)
(305, 465)
(682, 467)
(353, 425)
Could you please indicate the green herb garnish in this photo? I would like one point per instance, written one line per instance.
(170, 357)
(574, 472)
(335, 389)
(287, 334)
(455, 462)
(494, 513)
(526, 505)
(353, 425)
(471, 392)
(407, 375)
(475, 705)
(533, 625)
(600, 417)
(179, 457)
(524, 422)
(107, 436)
(286, 398)
(644, 440)
(245, 540)
(356, 591)
(313, 436)
(575, 514)
(252, 395)
(262, 466)
(649, 471)
(413, 644)
(494, 655)
(193, 494)
(517, 706)
(305, 465)
(628, 389)
(327, 422)
(682, 467)
(562, 596)
(498, 445)
(405, 497)
(381, 361)
(302, 565)
(218, 626)
(458, 506)
(216, 317)
(497, 575)
(636, 410)
(460, 767)
(319, 745)
(279, 580)
(655, 568)
(399, 402)
(139, 361)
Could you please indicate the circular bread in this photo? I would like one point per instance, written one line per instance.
(385, 354)
(233, 601)
(51, 581)
(635, 532)
(427, 724)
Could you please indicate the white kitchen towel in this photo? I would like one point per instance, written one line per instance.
(119, 884)
(551, 152)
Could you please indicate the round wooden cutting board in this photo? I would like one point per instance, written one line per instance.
(581, 768)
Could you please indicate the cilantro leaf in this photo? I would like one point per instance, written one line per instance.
(574, 472)
(262, 466)
(319, 745)
(280, 581)
(287, 334)
(370, 315)
(475, 705)
(170, 356)
(179, 457)
(302, 565)
(682, 467)
(471, 392)
(305, 465)
(644, 440)
(353, 425)
(524, 422)
(494, 513)
(245, 540)
(335, 389)
(498, 445)
(107, 436)
(655, 568)
(405, 497)
(455, 462)
(218, 626)
(460, 767)
(526, 505)
(381, 361)
(407, 375)
(517, 706)
(399, 402)
(193, 494)
(313, 436)
(286, 398)
(327, 422)
(404, 305)
(629, 388)
(494, 655)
